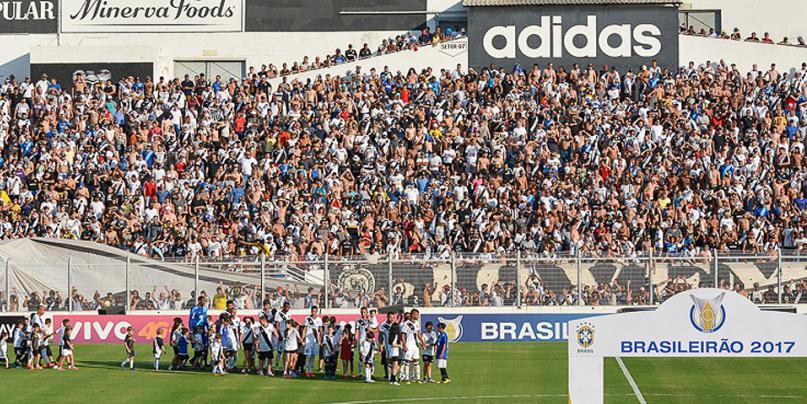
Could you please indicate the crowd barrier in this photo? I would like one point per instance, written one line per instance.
(417, 281)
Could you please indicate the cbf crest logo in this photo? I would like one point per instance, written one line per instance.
(708, 315)
(453, 328)
(585, 336)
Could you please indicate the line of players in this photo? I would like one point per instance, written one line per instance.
(31, 339)
(279, 342)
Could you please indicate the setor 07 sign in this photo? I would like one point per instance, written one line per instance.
(619, 36)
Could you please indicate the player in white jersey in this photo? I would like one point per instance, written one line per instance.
(60, 337)
(313, 340)
(430, 340)
(361, 328)
(266, 333)
(413, 340)
(281, 320)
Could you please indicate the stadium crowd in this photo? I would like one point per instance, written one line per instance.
(407, 41)
(736, 35)
(542, 160)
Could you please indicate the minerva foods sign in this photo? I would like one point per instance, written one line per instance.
(619, 36)
(151, 16)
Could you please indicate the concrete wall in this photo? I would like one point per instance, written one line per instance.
(744, 54)
(254, 48)
(779, 17)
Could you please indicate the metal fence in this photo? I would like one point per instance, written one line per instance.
(452, 281)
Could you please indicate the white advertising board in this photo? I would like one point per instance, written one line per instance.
(697, 323)
(83, 16)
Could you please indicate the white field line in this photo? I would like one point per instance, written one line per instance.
(632, 382)
(414, 399)
(404, 400)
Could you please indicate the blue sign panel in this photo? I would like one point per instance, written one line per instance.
(505, 327)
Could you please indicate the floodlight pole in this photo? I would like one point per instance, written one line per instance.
(126, 303)
(69, 284)
(453, 269)
(650, 269)
(196, 277)
(578, 264)
(389, 275)
(779, 274)
(518, 279)
(8, 284)
(717, 280)
(326, 282)
(263, 277)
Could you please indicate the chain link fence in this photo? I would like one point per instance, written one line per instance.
(422, 281)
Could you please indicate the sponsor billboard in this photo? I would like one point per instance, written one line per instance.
(29, 16)
(93, 72)
(151, 16)
(334, 15)
(619, 36)
(8, 323)
(496, 327)
(489, 327)
(98, 329)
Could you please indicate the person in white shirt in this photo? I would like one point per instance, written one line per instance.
(38, 318)
(430, 340)
(368, 351)
(4, 348)
(60, 340)
(313, 340)
(281, 320)
(412, 341)
(291, 340)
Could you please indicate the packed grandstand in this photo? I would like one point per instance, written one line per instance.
(491, 161)
(536, 183)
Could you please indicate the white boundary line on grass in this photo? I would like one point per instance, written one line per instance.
(403, 400)
(412, 399)
(632, 382)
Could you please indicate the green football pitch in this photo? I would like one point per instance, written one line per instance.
(481, 373)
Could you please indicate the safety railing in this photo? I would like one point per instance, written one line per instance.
(449, 280)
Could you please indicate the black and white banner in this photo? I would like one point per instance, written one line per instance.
(152, 16)
(93, 72)
(28, 16)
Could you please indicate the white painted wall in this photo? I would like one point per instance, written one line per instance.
(744, 54)
(779, 17)
(255, 48)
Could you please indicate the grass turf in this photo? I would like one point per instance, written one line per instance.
(509, 373)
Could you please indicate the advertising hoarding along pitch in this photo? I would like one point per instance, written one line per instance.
(151, 16)
(491, 327)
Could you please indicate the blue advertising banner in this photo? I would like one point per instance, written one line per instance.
(505, 327)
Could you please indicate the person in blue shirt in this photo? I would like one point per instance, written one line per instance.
(198, 318)
(198, 315)
(183, 344)
(441, 353)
